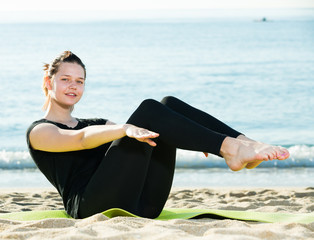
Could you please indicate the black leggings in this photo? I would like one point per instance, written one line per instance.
(137, 177)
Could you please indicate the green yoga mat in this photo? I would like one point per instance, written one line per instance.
(176, 213)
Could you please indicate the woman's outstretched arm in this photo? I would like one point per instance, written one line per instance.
(50, 138)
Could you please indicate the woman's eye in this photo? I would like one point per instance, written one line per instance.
(64, 79)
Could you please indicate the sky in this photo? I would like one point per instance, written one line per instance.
(39, 5)
(29, 10)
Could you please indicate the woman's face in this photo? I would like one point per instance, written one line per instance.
(67, 85)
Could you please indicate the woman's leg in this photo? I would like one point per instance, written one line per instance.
(199, 116)
(120, 180)
(158, 181)
(218, 126)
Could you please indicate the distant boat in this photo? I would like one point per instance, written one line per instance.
(264, 19)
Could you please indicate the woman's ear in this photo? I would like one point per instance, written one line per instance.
(48, 82)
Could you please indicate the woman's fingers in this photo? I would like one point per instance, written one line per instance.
(147, 138)
(146, 135)
(142, 132)
(137, 132)
(150, 142)
(142, 135)
(150, 135)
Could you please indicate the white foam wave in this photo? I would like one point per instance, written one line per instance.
(15, 160)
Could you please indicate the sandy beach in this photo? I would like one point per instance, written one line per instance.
(291, 200)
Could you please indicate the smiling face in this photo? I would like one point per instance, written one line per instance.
(66, 87)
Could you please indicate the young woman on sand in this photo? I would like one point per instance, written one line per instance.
(96, 165)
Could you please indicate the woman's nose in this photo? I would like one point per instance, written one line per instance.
(73, 85)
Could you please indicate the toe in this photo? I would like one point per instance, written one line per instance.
(283, 154)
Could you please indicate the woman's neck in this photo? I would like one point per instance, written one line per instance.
(60, 114)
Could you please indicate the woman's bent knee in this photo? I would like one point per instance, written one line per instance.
(149, 104)
(168, 100)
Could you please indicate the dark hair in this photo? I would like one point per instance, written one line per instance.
(66, 56)
(52, 68)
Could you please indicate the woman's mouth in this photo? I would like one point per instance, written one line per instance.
(71, 94)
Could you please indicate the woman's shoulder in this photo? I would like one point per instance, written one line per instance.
(32, 126)
(35, 123)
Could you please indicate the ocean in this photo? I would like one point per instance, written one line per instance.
(257, 76)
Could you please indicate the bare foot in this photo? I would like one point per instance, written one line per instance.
(250, 165)
(239, 153)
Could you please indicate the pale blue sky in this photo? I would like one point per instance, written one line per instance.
(36, 5)
(91, 10)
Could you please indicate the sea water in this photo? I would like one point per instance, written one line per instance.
(258, 77)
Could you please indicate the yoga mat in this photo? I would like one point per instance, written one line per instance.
(176, 213)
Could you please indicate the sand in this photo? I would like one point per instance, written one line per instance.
(292, 200)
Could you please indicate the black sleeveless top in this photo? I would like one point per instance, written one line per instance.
(69, 172)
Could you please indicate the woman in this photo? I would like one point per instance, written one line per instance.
(97, 165)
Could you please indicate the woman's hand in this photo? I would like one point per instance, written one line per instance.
(140, 134)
